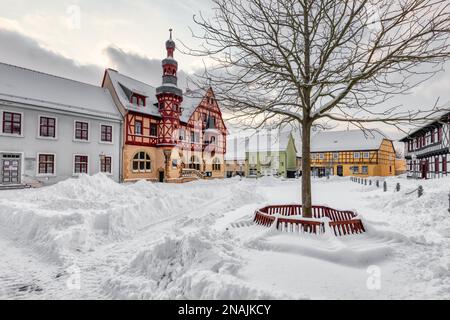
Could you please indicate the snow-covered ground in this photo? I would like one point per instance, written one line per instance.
(92, 238)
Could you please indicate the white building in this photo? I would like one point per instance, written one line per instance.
(53, 128)
(427, 149)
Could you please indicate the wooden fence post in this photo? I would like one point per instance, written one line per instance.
(384, 186)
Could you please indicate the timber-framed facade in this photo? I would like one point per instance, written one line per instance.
(169, 136)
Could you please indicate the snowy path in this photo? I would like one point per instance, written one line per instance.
(24, 276)
(195, 241)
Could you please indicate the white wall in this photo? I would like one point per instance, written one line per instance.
(63, 146)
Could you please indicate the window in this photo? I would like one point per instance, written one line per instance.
(436, 164)
(195, 137)
(204, 117)
(81, 130)
(356, 155)
(81, 164)
(194, 163)
(105, 164)
(335, 156)
(153, 129)
(365, 169)
(142, 162)
(138, 127)
(182, 134)
(321, 156)
(47, 127)
(216, 164)
(46, 164)
(366, 155)
(12, 123)
(213, 140)
(106, 133)
(174, 163)
(313, 156)
(355, 169)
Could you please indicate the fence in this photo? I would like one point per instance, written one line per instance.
(397, 187)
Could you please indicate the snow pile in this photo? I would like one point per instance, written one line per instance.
(77, 214)
(201, 265)
(413, 216)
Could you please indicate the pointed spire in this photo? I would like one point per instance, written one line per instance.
(170, 30)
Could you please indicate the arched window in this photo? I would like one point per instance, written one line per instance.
(142, 162)
(194, 163)
(216, 164)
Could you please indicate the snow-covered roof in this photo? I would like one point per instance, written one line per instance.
(270, 141)
(438, 116)
(121, 83)
(25, 86)
(347, 140)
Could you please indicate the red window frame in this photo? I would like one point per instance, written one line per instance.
(141, 124)
(46, 164)
(105, 164)
(153, 129)
(81, 130)
(106, 133)
(81, 164)
(12, 125)
(47, 127)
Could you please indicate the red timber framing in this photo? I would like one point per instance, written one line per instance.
(208, 107)
(145, 138)
(169, 108)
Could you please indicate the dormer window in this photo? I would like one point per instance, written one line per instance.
(137, 99)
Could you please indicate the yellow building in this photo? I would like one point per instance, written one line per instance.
(352, 153)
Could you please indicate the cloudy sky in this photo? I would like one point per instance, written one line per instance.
(78, 38)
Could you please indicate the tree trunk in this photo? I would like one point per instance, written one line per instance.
(306, 169)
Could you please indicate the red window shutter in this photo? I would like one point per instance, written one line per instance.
(436, 165)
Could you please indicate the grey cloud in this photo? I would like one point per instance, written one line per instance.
(139, 66)
(18, 49)
(21, 50)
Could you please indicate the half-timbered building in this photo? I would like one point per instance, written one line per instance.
(352, 153)
(169, 136)
(427, 149)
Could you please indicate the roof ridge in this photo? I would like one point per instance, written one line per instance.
(49, 74)
(129, 77)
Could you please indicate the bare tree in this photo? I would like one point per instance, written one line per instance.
(310, 62)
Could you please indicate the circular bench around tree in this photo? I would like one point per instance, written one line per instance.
(288, 218)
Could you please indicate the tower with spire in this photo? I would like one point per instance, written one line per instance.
(169, 98)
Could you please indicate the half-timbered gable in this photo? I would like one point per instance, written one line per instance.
(427, 149)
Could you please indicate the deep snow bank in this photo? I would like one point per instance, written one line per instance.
(78, 213)
(201, 265)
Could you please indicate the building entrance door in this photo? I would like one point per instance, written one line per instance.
(424, 168)
(340, 171)
(10, 168)
(161, 176)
